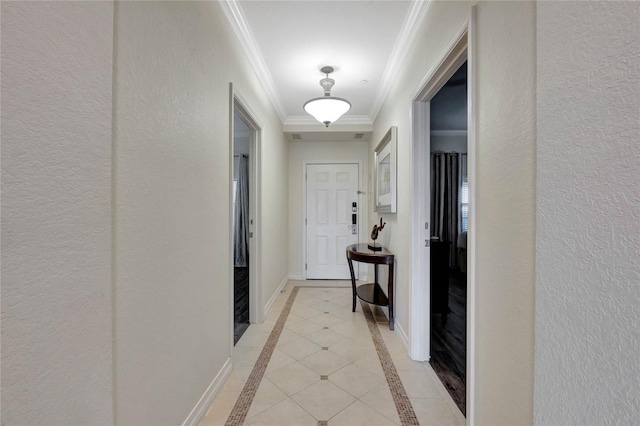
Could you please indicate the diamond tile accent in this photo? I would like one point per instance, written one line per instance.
(326, 338)
(342, 299)
(326, 306)
(323, 399)
(286, 412)
(327, 365)
(287, 336)
(292, 319)
(304, 328)
(278, 360)
(266, 397)
(300, 348)
(326, 320)
(359, 414)
(355, 380)
(324, 362)
(380, 399)
(306, 312)
(351, 330)
(353, 351)
(293, 378)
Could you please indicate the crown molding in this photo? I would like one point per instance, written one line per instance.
(399, 54)
(448, 133)
(248, 42)
(295, 120)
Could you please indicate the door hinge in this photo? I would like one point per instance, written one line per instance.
(305, 220)
(305, 266)
(426, 225)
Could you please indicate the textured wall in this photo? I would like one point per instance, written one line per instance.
(174, 62)
(505, 191)
(56, 215)
(588, 235)
(347, 151)
(505, 177)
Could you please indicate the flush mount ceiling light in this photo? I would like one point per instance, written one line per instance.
(327, 109)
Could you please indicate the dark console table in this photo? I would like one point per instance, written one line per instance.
(371, 292)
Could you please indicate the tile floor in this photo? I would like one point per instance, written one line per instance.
(325, 369)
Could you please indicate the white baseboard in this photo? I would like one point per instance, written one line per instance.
(197, 415)
(297, 277)
(274, 296)
(403, 335)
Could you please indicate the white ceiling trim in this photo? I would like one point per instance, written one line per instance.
(346, 119)
(399, 54)
(250, 46)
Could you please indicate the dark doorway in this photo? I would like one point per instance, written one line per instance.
(449, 219)
(241, 150)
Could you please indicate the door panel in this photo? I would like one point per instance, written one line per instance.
(331, 190)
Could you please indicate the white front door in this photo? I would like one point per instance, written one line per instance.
(332, 190)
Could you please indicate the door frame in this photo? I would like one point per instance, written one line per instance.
(358, 270)
(459, 50)
(256, 309)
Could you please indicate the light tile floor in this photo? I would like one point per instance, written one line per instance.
(325, 369)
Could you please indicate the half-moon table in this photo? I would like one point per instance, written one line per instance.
(372, 292)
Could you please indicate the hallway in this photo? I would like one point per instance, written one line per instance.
(325, 368)
(117, 182)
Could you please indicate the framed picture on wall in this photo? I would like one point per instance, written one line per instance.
(385, 176)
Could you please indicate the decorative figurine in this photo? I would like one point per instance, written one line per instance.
(374, 236)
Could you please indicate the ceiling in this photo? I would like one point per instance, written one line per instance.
(287, 42)
(449, 105)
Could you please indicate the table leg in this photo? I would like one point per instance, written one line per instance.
(353, 283)
(390, 296)
(375, 273)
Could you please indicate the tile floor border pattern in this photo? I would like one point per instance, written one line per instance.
(241, 408)
(403, 404)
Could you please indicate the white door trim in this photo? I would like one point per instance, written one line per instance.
(359, 272)
(256, 309)
(460, 49)
(472, 158)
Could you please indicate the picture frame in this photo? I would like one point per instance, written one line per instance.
(385, 167)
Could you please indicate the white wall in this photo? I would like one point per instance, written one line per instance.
(448, 143)
(56, 213)
(588, 239)
(174, 62)
(330, 152)
(505, 191)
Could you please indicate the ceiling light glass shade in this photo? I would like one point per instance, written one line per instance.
(327, 109)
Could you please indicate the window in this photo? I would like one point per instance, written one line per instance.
(464, 205)
(235, 187)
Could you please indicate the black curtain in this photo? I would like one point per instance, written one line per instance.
(241, 214)
(445, 202)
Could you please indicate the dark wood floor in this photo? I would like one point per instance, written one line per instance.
(241, 302)
(449, 337)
